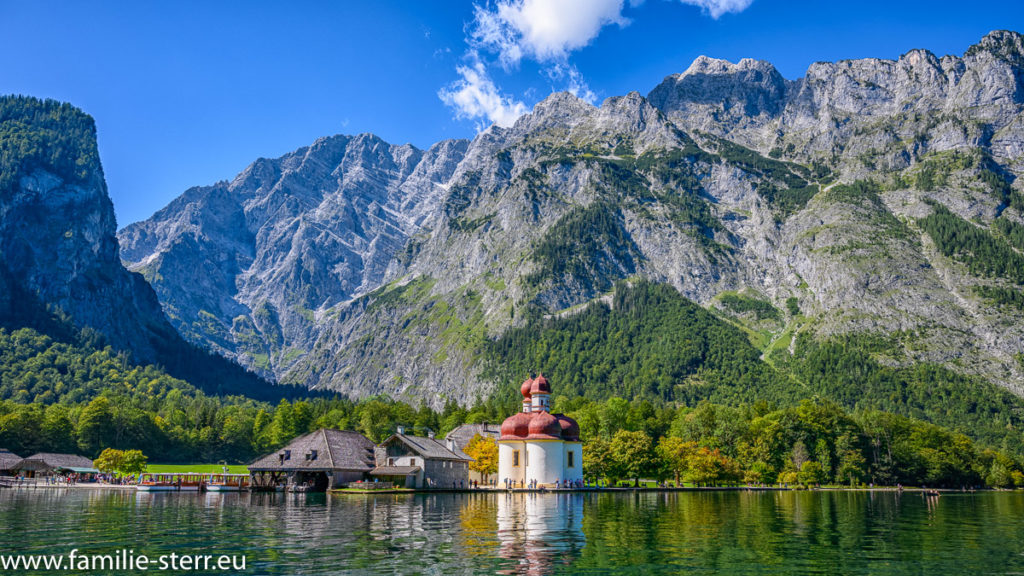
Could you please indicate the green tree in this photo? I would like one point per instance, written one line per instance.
(811, 473)
(632, 455)
(109, 461)
(675, 454)
(710, 467)
(598, 462)
(96, 426)
(375, 420)
(133, 462)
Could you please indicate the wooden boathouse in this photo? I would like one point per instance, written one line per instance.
(319, 461)
(8, 462)
(49, 464)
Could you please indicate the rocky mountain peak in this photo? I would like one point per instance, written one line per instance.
(558, 109)
(718, 96)
(1003, 44)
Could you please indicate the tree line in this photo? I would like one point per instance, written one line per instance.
(813, 443)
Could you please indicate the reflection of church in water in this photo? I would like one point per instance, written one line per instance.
(537, 447)
(540, 531)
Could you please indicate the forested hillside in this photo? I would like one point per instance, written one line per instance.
(56, 397)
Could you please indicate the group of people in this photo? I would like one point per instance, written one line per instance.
(116, 480)
(534, 484)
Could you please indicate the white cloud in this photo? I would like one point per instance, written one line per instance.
(544, 30)
(476, 96)
(716, 8)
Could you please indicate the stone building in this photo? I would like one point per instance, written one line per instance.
(421, 462)
(536, 446)
(464, 433)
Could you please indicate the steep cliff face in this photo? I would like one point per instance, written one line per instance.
(57, 232)
(369, 268)
(60, 270)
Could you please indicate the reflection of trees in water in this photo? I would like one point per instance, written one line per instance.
(539, 532)
(478, 523)
(702, 532)
(829, 532)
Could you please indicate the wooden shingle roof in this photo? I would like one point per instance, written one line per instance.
(428, 448)
(9, 460)
(55, 461)
(333, 449)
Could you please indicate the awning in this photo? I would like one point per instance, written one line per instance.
(79, 470)
(394, 470)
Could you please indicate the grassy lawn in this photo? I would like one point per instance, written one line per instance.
(198, 468)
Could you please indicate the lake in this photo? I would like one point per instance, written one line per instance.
(621, 533)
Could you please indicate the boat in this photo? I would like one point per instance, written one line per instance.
(171, 482)
(227, 482)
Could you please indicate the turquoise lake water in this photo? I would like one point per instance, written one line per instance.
(833, 533)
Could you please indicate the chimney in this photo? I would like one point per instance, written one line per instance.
(401, 430)
(450, 444)
(430, 434)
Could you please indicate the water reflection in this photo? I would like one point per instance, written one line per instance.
(696, 533)
(537, 531)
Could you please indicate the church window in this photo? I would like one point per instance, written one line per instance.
(571, 462)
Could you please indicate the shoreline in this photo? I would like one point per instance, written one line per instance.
(601, 490)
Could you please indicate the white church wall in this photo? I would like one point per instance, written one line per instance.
(506, 460)
(574, 473)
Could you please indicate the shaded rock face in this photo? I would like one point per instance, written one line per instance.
(369, 268)
(58, 251)
(60, 270)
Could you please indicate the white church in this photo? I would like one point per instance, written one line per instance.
(537, 448)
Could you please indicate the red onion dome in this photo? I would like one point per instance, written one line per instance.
(540, 386)
(544, 425)
(515, 426)
(525, 388)
(570, 429)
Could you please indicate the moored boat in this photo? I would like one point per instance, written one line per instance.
(227, 482)
(170, 482)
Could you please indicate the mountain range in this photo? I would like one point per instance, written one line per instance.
(864, 199)
(856, 233)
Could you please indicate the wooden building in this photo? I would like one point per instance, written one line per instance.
(8, 462)
(318, 461)
(461, 436)
(48, 464)
(421, 462)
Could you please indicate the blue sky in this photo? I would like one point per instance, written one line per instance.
(189, 93)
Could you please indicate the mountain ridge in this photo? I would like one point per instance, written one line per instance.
(725, 185)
